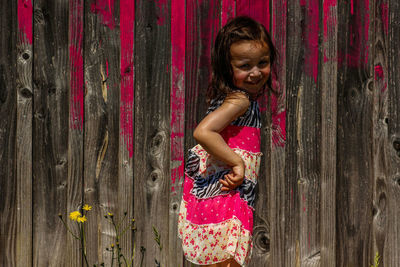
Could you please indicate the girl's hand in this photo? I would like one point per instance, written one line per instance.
(234, 178)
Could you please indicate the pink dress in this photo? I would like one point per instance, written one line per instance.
(215, 225)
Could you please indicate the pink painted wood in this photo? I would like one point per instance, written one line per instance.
(76, 63)
(277, 101)
(311, 38)
(127, 22)
(25, 20)
(228, 10)
(104, 9)
(177, 91)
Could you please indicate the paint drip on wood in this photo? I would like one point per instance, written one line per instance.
(162, 10)
(358, 49)
(310, 37)
(127, 22)
(178, 35)
(76, 64)
(105, 10)
(25, 27)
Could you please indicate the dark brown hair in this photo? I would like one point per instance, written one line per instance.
(238, 29)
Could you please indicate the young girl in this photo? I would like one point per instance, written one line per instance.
(216, 213)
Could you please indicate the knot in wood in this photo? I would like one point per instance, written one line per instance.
(26, 92)
(397, 180)
(154, 178)
(175, 207)
(261, 238)
(25, 56)
(157, 143)
(396, 145)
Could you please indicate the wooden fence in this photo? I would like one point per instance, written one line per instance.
(99, 99)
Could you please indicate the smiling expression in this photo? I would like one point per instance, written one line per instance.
(251, 66)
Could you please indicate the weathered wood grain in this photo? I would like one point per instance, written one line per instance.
(152, 129)
(294, 97)
(354, 132)
(277, 122)
(391, 252)
(202, 25)
(50, 132)
(126, 109)
(328, 82)
(308, 128)
(258, 10)
(177, 127)
(23, 142)
(75, 134)
(228, 10)
(8, 135)
(101, 143)
(379, 40)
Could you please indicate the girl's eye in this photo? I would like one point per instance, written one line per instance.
(264, 63)
(244, 66)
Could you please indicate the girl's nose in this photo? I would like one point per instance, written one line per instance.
(255, 73)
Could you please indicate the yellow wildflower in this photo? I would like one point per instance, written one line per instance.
(87, 207)
(110, 214)
(75, 215)
(81, 219)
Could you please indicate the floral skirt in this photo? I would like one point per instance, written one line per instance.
(214, 225)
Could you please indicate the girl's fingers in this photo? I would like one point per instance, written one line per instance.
(229, 180)
(225, 185)
(224, 182)
(224, 188)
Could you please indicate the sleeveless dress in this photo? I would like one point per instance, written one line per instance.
(216, 225)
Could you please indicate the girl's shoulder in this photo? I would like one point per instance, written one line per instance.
(236, 97)
(251, 116)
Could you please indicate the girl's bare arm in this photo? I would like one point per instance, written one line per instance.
(207, 134)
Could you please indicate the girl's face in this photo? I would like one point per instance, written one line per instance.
(250, 64)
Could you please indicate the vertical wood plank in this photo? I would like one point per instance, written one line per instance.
(243, 7)
(354, 132)
(277, 117)
(50, 132)
(177, 126)
(101, 141)
(202, 25)
(294, 88)
(8, 134)
(258, 10)
(23, 144)
(75, 134)
(328, 132)
(126, 108)
(381, 143)
(393, 146)
(152, 133)
(308, 128)
(228, 11)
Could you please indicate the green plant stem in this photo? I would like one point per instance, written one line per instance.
(118, 254)
(123, 257)
(133, 255)
(112, 258)
(83, 244)
(66, 226)
(121, 221)
(126, 228)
